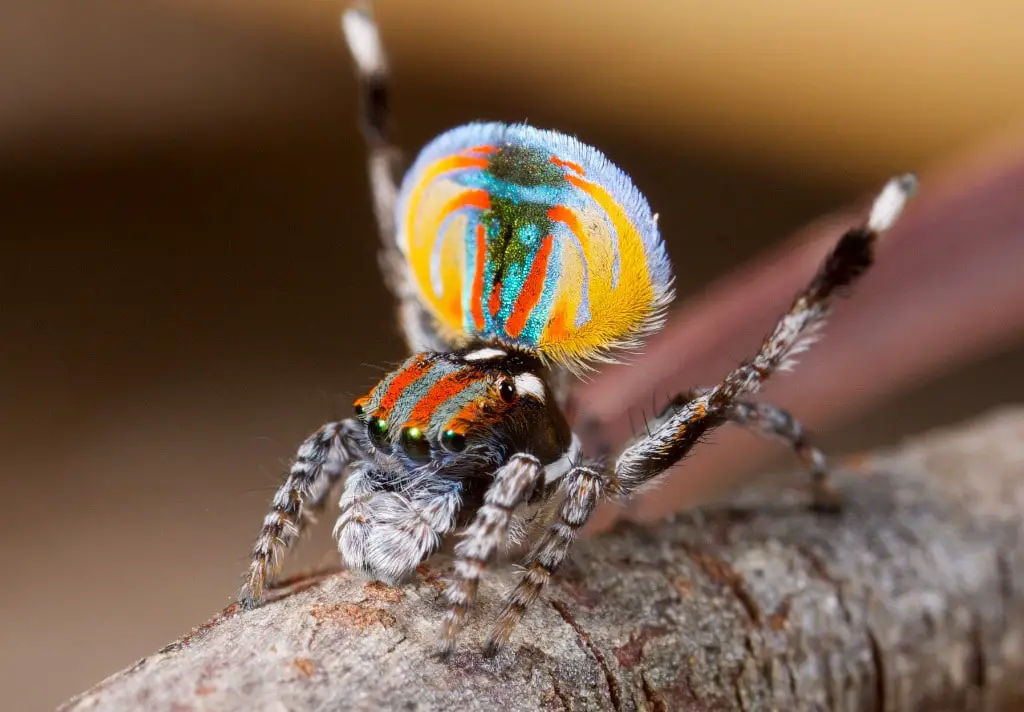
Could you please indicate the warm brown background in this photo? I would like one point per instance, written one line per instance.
(187, 279)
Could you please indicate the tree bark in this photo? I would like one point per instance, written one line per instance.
(911, 599)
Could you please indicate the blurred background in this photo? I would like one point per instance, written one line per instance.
(187, 257)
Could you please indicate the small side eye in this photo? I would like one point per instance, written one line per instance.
(360, 411)
(507, 391)
(415, 444)
(377, 429)
(453, 441)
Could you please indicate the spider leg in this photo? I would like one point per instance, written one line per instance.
(512, 486)
(318, 466)
(798, 328)
(363, 39)
(582, 488)
(776, 423)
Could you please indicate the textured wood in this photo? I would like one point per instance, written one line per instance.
(911, 599)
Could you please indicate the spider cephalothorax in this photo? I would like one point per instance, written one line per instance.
(518, 257)
(433, 428)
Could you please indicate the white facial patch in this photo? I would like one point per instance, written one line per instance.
(557, 469)
(529, 384)
(486, 354)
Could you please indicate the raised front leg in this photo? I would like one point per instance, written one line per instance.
(318, 466)
(367, 51)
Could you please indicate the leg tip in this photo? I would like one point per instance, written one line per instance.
(825, 500)
(445, 650)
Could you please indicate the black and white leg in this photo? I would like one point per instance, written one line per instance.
(581, 489)
(385, 535)
(798, 328)
(776, 423)
(319, 464)
(675, 434)
(512, 486)
(364, 43)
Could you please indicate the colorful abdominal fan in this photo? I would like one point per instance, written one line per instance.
(531, 238)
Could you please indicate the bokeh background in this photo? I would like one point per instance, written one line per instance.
(187, 268)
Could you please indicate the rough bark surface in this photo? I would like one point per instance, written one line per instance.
(911, 599)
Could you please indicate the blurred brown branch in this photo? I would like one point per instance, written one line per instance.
(911, 599)
(947, 289)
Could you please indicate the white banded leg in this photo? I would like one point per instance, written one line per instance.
(318, 466)
(513, 484)
(582, 489)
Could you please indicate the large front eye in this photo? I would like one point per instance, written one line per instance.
(415, 444)
(507, 391)
(377, 429)
(453, 441)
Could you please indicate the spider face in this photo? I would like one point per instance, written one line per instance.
(459, 412)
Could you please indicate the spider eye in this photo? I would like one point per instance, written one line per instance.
(453, 441)
(360, 411)
(378, 432)
(507, 391)
(415, 444)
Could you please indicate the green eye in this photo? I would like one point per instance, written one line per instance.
(453, 441)
(360, 411)
(377, 429)
(415, 444)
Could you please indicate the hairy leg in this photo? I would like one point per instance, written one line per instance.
(798, 328)
(776, 423)
(581, 488)
(482, 539)
(318, 466)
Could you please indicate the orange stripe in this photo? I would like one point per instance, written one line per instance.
(481, 149)
(403, 380)
(494, 303)
(441, 391)
(562, 214)
(474, 415)
(568, 164)
(467, 199)
(477, 298)
(529, 295)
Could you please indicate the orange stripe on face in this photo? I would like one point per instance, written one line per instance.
(473, 415)
(568, 164)
(445, 388)
(477, 298)
(403, 380)
(481, 149)
(529, 295)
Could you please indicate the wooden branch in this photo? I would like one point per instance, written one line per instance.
(911, 599)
